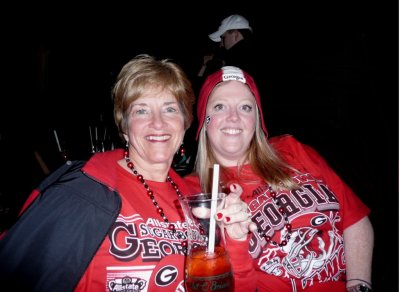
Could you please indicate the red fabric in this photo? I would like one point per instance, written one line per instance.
(319, 211)
(193, 183)
(242, 265)
(139, 247)
(304, 157)
(34, 194)
(274, 284)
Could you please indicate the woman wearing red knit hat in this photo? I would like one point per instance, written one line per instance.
(313, 232)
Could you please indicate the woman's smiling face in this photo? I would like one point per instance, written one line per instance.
(155, 127)
(230, 121)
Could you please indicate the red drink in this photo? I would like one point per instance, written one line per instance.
(209, 272)
(205, 271)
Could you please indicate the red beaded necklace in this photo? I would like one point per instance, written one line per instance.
(150, 194)
(288, 226)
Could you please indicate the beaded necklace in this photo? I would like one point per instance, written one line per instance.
(150, 194)
(288, 226)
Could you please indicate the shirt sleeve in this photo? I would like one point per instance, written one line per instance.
(242, 265)
(305, 158)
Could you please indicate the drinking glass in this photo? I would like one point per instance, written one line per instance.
(207, 266)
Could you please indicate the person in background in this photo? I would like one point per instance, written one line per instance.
(313, 232)
(114, 223)
(236, 46)
(232, 44)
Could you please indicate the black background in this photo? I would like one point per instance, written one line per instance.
(331, 80)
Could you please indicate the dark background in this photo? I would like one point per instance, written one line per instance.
(331, 80)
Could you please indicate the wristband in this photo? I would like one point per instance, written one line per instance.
(359, 288)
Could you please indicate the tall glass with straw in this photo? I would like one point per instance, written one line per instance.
(207, 266)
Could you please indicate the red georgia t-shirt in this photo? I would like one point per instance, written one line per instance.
(318, 212)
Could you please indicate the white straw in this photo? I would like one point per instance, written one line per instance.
(58, 142)
(214, 196)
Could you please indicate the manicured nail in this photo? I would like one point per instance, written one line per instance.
(234, 186)
(227, 219)
(219, 215)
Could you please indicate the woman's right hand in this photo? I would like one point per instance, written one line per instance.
(236, 215)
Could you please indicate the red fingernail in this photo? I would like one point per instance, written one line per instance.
(227, 219)
(234, 186)
(219, 215)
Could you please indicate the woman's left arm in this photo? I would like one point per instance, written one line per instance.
(358, 249)
(238, 226)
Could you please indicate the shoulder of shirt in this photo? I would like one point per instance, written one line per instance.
(282, 140)
(290, 147)
(192, 182)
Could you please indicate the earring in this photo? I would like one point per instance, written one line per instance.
(181, 150)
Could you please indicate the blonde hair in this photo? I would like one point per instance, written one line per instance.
(144, 71)
(263, 158)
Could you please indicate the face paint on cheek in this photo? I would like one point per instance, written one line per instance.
(208, 120)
